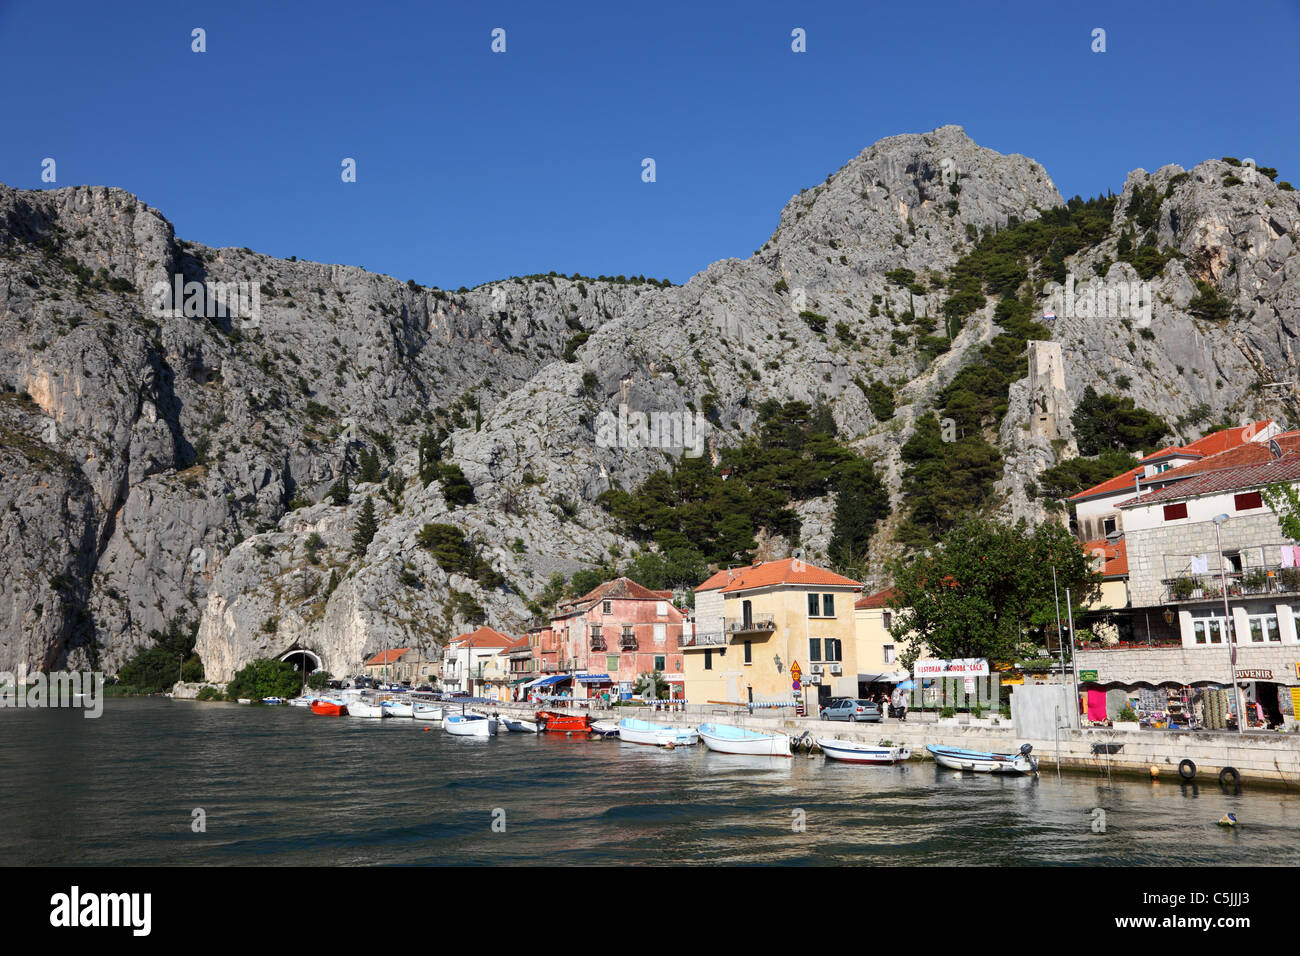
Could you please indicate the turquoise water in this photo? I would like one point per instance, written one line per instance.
(282, 786)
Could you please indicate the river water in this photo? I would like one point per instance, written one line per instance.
(282, 786)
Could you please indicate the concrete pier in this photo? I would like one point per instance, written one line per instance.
(1272, 759)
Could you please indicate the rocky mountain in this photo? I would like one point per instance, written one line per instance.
(173, 416)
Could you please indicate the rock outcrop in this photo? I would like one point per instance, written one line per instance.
(168, 455)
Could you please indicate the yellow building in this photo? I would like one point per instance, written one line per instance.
(754, 624)
(877, 650)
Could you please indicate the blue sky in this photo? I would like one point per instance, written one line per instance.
(473, 165)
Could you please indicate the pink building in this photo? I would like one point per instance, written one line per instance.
(610, 636)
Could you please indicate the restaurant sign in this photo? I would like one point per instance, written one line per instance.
(961, 667)
(1243, 674)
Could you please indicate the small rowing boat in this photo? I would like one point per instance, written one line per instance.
(362, 708)
(980, 761)
(520, 725)
(398, 708)
(852, 751)
(726, 739)
(657, 735)
(469, 725)
(604, 728)
(429, 712)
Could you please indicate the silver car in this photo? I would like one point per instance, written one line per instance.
(849, 708)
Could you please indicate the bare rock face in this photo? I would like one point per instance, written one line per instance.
(170, 458)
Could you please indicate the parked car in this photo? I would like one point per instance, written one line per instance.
(850, 708)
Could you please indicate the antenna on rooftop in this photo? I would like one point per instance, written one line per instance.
(1274, 448)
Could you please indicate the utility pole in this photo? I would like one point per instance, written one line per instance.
(1074, 661)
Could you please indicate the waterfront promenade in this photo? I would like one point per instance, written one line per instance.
(1272, 758)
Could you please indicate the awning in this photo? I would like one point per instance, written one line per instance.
(594, 679)
(885, 677)
(547, 681)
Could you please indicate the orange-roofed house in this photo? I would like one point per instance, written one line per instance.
(402, 664)
(608, 637)
(754, 624)
(474, 664)
(1096, 510)
(877, 650)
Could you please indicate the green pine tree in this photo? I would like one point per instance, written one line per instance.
(366, 526)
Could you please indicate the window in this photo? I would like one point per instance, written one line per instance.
(1247, 500)
(749, 653)
(659, 662)
(595, 632)
(889, 653)
(661, 609)
(832, 649)
(885, 618)
(1174, 512)
(661, 633)
(828, 605)
(814, 605)
(611, 663)
(815, 648)
(1209, 629)
(708, 659)
(1263, 628)
(1108, 525)
(606, 607)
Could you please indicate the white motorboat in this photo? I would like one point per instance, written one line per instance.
(469, 725)
(657, 735)
(981, 761)
(520, 725)
(429, 712)
(853, 751)
(726, 739)
(365, 708)
(398, 708)
(603, 728)
(273, 701)
(301, 701)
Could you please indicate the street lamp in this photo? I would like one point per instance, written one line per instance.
(1228, 624)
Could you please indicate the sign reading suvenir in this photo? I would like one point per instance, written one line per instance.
(1088, 675)
(1254, 674)
(963, 667)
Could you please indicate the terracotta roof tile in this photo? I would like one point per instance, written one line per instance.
(1249, 476)
(388, 657)
(483, 637)
(1114, 556)
(879, 599)
(769, 573)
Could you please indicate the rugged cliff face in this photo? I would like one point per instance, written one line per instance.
(159, 464)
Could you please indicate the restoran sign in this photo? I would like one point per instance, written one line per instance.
(963, 667)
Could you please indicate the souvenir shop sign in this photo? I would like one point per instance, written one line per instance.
(1087, 675)
(962, 667)
(1254, 674)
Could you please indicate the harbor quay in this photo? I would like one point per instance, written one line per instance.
(1270, 759)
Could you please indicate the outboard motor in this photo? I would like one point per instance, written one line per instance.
(1025, 749)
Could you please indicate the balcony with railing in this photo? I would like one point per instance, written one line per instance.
(704, 639)
(754, 624)
(1252, 582)
(597, 642)
(627, 640)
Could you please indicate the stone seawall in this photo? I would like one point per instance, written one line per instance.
(1259, 758)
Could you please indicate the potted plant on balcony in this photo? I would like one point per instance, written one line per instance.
(1184, 588)
(1212, 593)
(1255, 581)
(1288, 579)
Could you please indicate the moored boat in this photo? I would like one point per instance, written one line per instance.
(520, 725)
(853, 751)
(981, 761)
(301, 701)
(398, 708)
(603, 728)
(329, 708)
(430, 712)
(657, 735)
(362, 708)
(469, 725)
(273, 701)
(726, 739)
(556, 723)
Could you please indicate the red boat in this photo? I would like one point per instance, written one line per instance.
(328, 708)
(553, 723)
